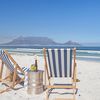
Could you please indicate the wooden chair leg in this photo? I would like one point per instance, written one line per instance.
(5, 90)
(1, 69)
(14, 76)
(47, 94)
(8, 73)
(74, 95)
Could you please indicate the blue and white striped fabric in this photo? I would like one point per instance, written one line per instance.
(25, 69)
(60, 62)
(6, 60)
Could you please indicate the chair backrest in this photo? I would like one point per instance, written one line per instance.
(60, 62)
(25, 69)
(4, 57)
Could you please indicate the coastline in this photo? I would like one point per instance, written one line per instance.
(88, 73)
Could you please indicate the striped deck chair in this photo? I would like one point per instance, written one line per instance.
(14, 69)
(58, 64)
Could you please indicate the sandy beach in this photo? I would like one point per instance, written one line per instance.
(55, 35)
(88, 87)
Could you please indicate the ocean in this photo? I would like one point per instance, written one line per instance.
(90, 53)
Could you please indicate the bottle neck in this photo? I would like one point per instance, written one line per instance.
(36, 64)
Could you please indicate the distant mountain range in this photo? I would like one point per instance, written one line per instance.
(37, 41)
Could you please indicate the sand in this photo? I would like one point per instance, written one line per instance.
(88, 87)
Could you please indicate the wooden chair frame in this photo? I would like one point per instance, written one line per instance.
(15, 78)
(73, 86)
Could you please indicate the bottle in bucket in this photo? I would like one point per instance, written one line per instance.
(34, 66)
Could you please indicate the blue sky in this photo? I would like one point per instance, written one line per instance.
(61, 20)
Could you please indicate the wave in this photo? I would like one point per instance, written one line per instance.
(85, 58)
(40, 51)
(88, 51)
(88, 57)
(25, 50)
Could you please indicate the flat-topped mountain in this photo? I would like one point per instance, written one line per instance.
(31, 41)
(37, 41)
